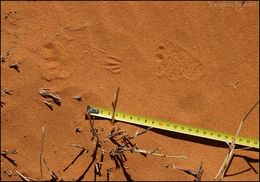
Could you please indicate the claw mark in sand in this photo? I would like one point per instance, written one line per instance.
(112, 64)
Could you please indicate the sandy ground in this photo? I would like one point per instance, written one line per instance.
(194, 63)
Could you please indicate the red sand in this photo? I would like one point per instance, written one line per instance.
(171, 60)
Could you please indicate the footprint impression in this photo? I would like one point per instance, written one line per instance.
(175, 62)
(57, 61)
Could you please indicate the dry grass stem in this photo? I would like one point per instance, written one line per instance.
(114, 133)
(15, 66)
(227, 160)
(2, 58)
(2, 104)
(114, 104)
(196, 173)
(53, 175)
(41, 154)
(77, 146)
(6, 152)
(78, 98)
(109, 170)
(97, 146)
(6, 91)
(83, 149)
(24, 177)
(137, 133)
(47, 103)
(46, 94)
(156, 154)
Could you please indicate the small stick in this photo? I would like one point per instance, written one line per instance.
(235, 84)
(97, 171)
(98, 144)
(24, 177)
(155, 150)
(2, 104)
(6, 152)
(232, 146)
(77, 146)
(78, 98)
(52, 174)
(100, 163)
(114, 134)
(10, 160)
(137, 133)
(2, 59)
(114, 104)
(109, 170)
(45, 93)
(47, 103)
(83, 149)
(197, 173)
(119, 150)
(159, 155)
(41, 154)
(6, 91)
(244, 148)
(15, 66)
(47, 166)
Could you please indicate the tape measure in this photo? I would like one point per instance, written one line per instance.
(172, 126)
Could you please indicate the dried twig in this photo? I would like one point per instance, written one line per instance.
(50, 106)
(137, 133)
(6, 152)
(83, 149)
(77, 146)
(197, 173)
(24, 177)
(109, 170)
(121, 149)
(41, 154)
(15, 66)
(98, 145)
(2, 104)
(10, 160)
(78, 98)
(232, 146)
(114, 133)
(114, 104)
(2, 59)
(46, 94)
(100, 163)
(6, 91)
(53, 175)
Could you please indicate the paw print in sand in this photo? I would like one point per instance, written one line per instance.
(175, 62)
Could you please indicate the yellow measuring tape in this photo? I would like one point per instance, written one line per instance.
(172, 126)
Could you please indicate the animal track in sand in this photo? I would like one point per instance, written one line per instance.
(112, 64)
(57, 62)
(175, 62)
